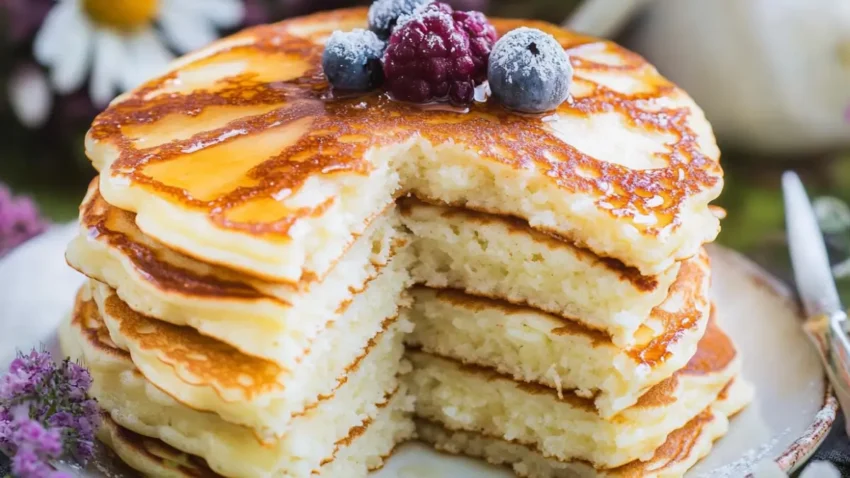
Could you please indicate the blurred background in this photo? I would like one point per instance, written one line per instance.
(773, 77)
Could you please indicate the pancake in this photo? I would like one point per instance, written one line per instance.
(532, 345)
(208, 375)
(370, 385)
(682, 449)
(562, 424)
(364, 449)
(241, 155)
(502, 257)
(272, 321)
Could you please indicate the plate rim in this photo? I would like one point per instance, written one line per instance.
(797, 453)
(801, 449)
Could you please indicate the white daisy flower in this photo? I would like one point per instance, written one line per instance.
(118, 44)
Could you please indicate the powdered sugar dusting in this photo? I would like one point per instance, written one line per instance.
(351, 44)
(422, 12)
(527, 51)
(384, 13)
(745, 465)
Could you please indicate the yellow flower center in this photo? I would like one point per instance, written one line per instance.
(124, 15)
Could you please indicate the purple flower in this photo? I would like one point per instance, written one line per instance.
(19, 220)
(45, 413)
(62, 420)
(26, 373)
(30, 434)
(77, 378)
(36, 446)
(34, 362)
(28, 464)
(24, 17)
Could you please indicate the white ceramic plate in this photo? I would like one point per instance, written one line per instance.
(790, 416)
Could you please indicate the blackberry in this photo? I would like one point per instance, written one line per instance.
(431, 56)
(352, 60)
(383, 14)
(529, 71)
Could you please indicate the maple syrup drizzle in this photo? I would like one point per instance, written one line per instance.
(486, 127)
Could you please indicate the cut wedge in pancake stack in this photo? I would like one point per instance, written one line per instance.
(502, 371)
(261, 248)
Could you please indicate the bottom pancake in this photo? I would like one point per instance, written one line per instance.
(364, 449)
(682, 449)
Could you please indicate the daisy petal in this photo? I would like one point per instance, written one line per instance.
(150, 58)
(109, 55)
(30, 96)
(184, 31)
(69, 70)
(48, 41)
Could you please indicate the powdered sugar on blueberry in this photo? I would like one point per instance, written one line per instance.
(352, 60)
(526, 51)
(384, 14)
(529, 71)
(348, 45)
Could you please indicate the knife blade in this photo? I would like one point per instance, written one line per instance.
(812, 273)
(826, 322)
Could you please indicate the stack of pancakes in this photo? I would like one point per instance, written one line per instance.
(260, 249)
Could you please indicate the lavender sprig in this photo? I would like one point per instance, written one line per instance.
(45, 414)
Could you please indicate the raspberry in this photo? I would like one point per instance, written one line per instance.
(482, 37)
(437, 53)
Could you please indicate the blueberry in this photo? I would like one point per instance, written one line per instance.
(383, 14)
(529, 71)
(352, 60)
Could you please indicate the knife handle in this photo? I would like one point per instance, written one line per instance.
(831, 339)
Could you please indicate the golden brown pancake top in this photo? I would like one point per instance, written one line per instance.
(677, 447)
(202, 360)
(715, 352)
(689, 285)
(286, 91)
(86, 318)
(117, 228)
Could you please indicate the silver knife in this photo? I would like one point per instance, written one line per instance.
(826, 321)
